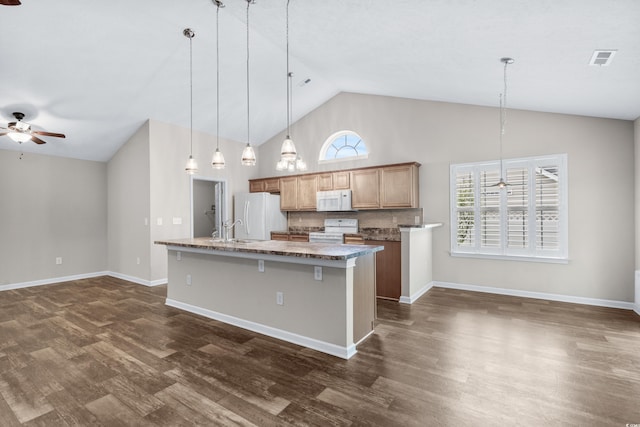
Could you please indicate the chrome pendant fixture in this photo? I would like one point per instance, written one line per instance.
(192, 166)
(289, 159)
(288, 150)
(248, 155)
(503, 116)
(217, 161)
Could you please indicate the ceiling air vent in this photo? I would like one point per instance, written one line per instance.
(602, 58)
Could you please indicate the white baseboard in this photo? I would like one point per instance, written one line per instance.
(137, 279)
(539, 295)
(325, 347)
(412, 298)
(51, 281)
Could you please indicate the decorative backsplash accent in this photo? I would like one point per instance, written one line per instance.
(382, 222)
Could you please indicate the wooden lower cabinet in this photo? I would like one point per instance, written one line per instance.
(288, 237)
(388, 269)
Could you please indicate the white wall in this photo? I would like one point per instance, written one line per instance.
(51, 207)
(636, 133)
(601, 181)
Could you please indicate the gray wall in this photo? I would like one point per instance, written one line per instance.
(601, 181)
(51, 207)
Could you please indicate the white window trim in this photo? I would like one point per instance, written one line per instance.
(504, 253)
(329, 141)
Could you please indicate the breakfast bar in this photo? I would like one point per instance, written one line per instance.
(321, 296)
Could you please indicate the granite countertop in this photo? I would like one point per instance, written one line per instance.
(431, 225)
(324, 251)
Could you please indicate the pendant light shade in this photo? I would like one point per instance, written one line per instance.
(248, 155)
(191, 167)
(288, 151)
(19, 136)
(217, 161)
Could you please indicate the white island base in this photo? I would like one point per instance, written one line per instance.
(326, 305)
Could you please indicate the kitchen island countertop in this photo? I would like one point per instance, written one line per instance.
(323, 251)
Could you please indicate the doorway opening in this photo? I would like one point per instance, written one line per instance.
(208, 209)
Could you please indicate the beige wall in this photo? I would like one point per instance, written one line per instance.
(637, 210)
(147, 181)
(51, 207)
(601, 181)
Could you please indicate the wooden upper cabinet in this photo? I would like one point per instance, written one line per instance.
(270, 185)
(341, 180)
(325, 181)
(307, 189)
(399, 186)
(365, 189)
(288, 193)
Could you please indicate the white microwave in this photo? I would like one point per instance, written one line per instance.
(333, 201)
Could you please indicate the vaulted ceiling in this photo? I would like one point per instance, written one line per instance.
(96, 70)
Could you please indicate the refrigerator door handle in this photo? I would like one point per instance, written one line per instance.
(246, 217)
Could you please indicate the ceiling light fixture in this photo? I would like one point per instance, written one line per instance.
(289, 159)
(217, 162)
(248, 155)
(503, 116)
(192, 165)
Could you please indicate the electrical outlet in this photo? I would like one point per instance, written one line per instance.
(317, 273)
(178, 255)
(146, 222)
(188, 279)
(394, 219)
(417, 219)
(261, 265)
(177, 220)
(279, 298)
(159, 221)
(138, 260)
(59, 260)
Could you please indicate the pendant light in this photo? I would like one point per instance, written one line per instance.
(248, 155)
(503, 116)
(192, 166)
(217, 162)
(288, 151)
(289, 159)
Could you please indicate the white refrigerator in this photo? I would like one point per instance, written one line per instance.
(260, 215)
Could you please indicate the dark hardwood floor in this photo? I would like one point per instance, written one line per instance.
(108, 352)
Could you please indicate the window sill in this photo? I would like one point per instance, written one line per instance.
(549, 260)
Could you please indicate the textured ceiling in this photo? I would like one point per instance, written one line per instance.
(97, 70)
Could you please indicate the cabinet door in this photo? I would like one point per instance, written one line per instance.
(325, 181)
(399, 187)
(288, 193)
(271, 185)
(298, 237)
(388, 270)
(341, 180)
(307, 189)
(279, 236)
(365, 189)
(256, 185)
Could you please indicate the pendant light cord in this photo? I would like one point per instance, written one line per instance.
(191, 92)
(218, 76)
(288, 79)
(248, 107)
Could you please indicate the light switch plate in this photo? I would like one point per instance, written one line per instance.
(177, 220)
(317, 272)
(261, 265)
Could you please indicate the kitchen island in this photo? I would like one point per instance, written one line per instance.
(321, 296)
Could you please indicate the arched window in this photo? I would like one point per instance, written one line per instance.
(343, 145)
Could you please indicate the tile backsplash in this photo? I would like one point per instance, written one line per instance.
(375, 219)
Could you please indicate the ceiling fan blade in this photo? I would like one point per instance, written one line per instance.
(10, 2)
(39, 132)
(37, 140)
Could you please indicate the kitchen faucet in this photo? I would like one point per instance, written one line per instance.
(227, 229)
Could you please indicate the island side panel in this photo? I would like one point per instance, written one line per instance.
(364, 296)
(321, 310)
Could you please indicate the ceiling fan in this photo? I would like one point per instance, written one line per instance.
(21, 132)
(10, 2)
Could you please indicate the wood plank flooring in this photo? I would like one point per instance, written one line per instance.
(108, 352)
